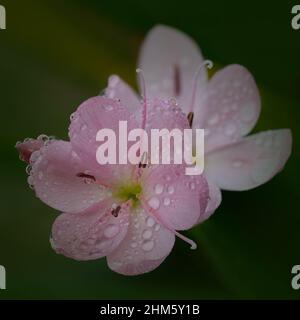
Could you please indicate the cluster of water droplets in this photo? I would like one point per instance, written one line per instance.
(143, 232)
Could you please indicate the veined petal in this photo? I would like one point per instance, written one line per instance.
(118, 89)
(54, 177)
(144, 248)
(93, 115)
(178, 199)
(91, 234)
(251, 162)
(229, 108)
(215, 198)
(169, 60)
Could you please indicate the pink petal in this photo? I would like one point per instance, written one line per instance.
(176, 198)
(250, 162)
(164, 114)
(54, 177)
(230, 107)
(95, 114)
(144, 248)
(118, 89)
(169, 60)
(90, 235)
(215, 198)
(27, 147)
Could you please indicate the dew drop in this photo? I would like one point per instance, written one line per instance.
(154, 203)
(111, 231)
(28, 169)
(133, 245)
(150, 222)
(43, 137)
(147, 234)
(84, 127)
(171, 189)
(167, 201)
(192, 186)
(40, 175)
(148, 245)
(108, 107)
(159, 188)
(157, 227)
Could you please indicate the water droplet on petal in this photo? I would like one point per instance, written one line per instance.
(133, 245)
(157, 227)
(150, 222)
(84, 127)
(148, 245)
(147, 234)
(167, 201)
(171, 189)
(154, 203)
(40, 175)
(111, 231)
(43, 137)
(30, 182)
(159, 188)
(192, 186)
(108, 107)
(28, 169)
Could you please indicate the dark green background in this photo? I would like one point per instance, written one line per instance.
(55, 54)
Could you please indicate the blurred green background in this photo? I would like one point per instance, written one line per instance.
(55, 54)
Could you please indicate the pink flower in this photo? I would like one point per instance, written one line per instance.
(127, 213)
(227, 107)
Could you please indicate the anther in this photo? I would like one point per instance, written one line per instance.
(190, 118)
(115, 212)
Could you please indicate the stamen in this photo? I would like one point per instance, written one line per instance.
(190, 118)
(184, 238)
(143, 94)
(142, 81)
(177, 80)
(209, 65)
(88, 178)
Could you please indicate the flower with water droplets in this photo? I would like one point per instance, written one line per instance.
(227, 107)
(127, 213)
